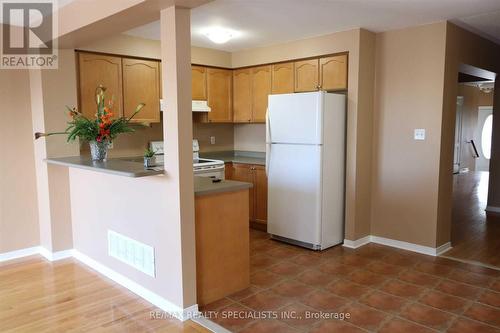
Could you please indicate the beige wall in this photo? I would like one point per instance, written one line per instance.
(361, 47)
(462, 47)
(18, 201)
(408, 95)
(141, 47)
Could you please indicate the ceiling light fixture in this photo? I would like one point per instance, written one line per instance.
(219, 35)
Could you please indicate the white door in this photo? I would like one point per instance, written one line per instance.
(295, 118)
(482, 137)
(294, 191)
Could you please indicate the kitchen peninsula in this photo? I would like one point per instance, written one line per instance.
(139, 213)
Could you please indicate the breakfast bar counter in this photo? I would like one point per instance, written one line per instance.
(127, 167)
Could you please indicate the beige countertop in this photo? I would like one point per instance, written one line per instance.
(205, 186)
(237, 156)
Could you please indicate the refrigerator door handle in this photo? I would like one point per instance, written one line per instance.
(268, 158)
(268, 142)
(268, 127)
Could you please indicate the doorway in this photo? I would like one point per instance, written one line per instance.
(474, 234)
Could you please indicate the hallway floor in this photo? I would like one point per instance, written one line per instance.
(474, 236)
(382, 288)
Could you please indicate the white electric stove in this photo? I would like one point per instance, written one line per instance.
(202, 167)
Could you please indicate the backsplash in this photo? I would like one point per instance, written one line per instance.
(224, 136)
(250, 137)
(228, 137)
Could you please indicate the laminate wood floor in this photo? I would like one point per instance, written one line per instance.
(65, 296)
(474, 235)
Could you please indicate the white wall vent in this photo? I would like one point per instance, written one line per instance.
(133, 253)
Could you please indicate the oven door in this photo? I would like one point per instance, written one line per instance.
(214, 172)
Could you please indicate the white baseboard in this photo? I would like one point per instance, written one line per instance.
(51, 256)
(357, 243)
(493, 209)
(431, 251)
(54, 256)
(443, 248)
(19, 253)
(160, 302)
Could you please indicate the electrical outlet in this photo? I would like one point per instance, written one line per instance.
(110, 146)
(212, 140)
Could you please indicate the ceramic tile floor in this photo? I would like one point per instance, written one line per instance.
(382, 288)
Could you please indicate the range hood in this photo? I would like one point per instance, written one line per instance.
(201, 106)
(197, 106)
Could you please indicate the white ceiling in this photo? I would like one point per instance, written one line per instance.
(267, 22)
(18, 21)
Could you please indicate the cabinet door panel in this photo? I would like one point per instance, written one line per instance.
(199, 83)
(242, 96)
(141, 84)
(95, 70)
(282, 78)
(306, 75)
(243, 173)
(228, 171)
(219, 88)
(261, 88)
(260, 185)
(333, 72)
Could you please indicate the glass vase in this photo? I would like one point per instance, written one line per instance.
(99, 150)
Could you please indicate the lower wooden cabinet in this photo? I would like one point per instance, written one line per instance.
(255, 174)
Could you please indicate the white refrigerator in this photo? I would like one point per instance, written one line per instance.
(305, 165)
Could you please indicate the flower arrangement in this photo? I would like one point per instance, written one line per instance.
(99, 132)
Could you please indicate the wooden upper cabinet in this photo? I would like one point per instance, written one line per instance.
(333, 73)
(219, 89)
(306, 75)
(95, 70)
(261, 89)
(282, 78)
(242, 95)
(199, 83)
(141, 84)
(260, 189)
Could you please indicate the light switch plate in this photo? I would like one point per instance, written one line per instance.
(212, 140)
(419, 134)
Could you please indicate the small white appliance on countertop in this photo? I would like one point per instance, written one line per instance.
(201, 166)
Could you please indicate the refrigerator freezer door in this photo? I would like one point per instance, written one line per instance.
(295, 118)
(294, 192)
